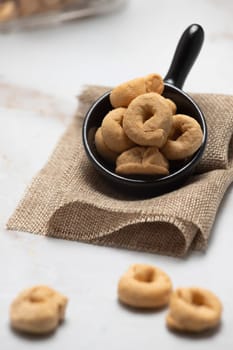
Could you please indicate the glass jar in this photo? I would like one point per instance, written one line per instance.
(17, 14)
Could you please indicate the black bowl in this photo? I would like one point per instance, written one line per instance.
(186, 52)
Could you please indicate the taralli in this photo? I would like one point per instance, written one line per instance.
(184, 139)
(52, 3)
(193, 310)
(113, 133)
(103, 149)
(123, 94)
(172, 105)
(38, 310)
(8, 11)
(148, 120)
(142, 160)
(144, 286)
(28, 7)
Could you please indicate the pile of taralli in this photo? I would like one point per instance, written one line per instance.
(40, 309)
(143, 133)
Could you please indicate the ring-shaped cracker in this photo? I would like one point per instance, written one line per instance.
(141, 160)
(123, 94)
(148, 120)
(103, 150)
(113, 133)
(172, 105)
(193, 310)
(8, 10)
(144, 286)
(37, 310)
(184, 139)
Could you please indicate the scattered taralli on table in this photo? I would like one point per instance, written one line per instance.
(144, 286)
(37, 310)
(193, 310)
(143, 133)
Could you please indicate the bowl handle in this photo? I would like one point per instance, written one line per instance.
(185, 55)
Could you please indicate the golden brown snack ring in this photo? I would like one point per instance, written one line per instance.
(142, 161)
(184, 139)
(193, 310)
(144, 286)
(172, 105)
(148, 120)
(8, 10)
(37, 310)
(113, 133)
(103, 149)
(123, 94)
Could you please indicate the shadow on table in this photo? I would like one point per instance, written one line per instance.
(141, 310)
(197, 336)
(35, 337)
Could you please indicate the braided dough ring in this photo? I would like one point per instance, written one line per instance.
(123, 94)
(38, 310)
(142, 161)
(113, 134)
(144, 286)
(103, 149)
(184, 139)
(193, 310)
(148, 120)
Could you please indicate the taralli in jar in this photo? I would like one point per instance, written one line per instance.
(28, 7)
(184, 139)
(38, 310)
(123, 94)
(193, 310)
(148, 120)
(142, 161)
(144, 286)
(113, 133)
(11, 9)
(8, 10)
(103, 150)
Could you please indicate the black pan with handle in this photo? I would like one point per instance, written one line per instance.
(185, 55)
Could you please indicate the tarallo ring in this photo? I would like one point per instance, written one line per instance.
(142, 161)
(37, 310)
(148, 120)
(113, 133)
(184, 139)
(144, 286)
(193, 310)
(123, 94)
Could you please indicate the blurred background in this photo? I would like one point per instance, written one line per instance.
(134, 38)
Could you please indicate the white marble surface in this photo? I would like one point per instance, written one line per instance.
(40, 74)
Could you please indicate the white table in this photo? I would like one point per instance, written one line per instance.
(55, 63)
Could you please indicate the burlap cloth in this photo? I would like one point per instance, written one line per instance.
(69, 199)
